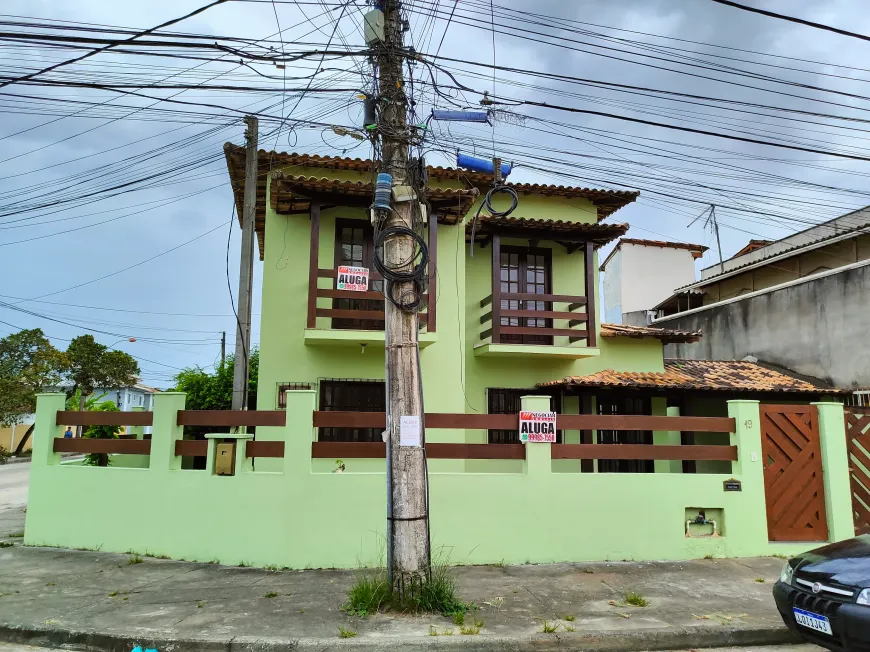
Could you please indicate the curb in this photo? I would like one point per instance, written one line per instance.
(593, 641)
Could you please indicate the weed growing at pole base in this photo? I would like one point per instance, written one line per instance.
(372, 593)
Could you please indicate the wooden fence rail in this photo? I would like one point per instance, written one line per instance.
(110, 446)
(511, 422)
(67, 418)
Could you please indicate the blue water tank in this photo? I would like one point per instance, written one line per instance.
(460, 116)
(483, 165)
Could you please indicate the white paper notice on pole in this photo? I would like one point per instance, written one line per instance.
(537, 427)
(409, 431)
(355, 279)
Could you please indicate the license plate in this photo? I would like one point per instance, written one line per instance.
(812, 621)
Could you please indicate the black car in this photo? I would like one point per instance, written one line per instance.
(824, 595)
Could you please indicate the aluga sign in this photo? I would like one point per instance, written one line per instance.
(355, 279)
(538, 427)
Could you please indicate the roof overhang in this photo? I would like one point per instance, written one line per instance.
(665, 335)
(570, 233)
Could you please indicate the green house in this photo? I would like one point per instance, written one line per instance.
(653, 458)
(480, 351)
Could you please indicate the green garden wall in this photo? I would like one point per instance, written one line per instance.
(301, 517)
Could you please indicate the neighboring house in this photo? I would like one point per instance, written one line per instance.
(800, 303)
(482, 348)
(126, 398)
(638, 274)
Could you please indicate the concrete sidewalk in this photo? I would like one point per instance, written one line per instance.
(50, 596)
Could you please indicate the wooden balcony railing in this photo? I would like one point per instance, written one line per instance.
(500, 318)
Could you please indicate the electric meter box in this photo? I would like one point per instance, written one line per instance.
(225, 459)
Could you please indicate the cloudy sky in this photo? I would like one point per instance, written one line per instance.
(117, 207)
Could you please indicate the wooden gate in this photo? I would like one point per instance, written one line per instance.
(793, 486)
(858, 441)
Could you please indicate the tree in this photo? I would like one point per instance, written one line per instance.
(29, 364)
(93, 365)
(214, 391)
(101, 432)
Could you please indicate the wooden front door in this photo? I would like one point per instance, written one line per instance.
(525, 271)
(858, 442)
(793, 487)
(354, 246)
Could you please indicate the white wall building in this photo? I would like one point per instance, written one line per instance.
(639, 274)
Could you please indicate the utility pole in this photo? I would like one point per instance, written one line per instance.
(408, 553)
(223, 348)
(246, 270)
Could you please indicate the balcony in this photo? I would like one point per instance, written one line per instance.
(351, 318)
(524, 316)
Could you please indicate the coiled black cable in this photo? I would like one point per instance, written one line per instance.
(487, 204)
(411, 270)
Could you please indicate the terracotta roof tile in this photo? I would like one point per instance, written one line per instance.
(700, 375)
(667, 335)
(607, 202)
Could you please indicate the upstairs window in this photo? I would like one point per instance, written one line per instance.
(354, 246)
(525, 271)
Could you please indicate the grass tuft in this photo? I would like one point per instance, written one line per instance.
(568, 628)
(570, 618)
(372, 593)
(549, 628)
(433, 631)
(470, 630)
(635, 599)
(6, 544)
(459, 618)
(17, 535)
(244, 564)
(200, 604)
(760, 580)
(270, 594)
(345, 633)
(135, 559)
(270, 567)
(112, 594)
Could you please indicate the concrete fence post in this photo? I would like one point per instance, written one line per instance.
(46, 429)
(835, 471)
(668, 438)
(165, 431)
(538, 456)
(751, 517)
(299, 432)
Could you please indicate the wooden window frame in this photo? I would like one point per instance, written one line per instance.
(523, 252)
(351, 434)
(625, 436)
(367, 261)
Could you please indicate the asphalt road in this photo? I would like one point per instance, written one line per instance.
(14, 482)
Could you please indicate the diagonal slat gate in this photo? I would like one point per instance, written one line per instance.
(858, 442)
(793, 487)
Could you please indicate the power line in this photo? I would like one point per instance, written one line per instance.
(107, 47)
(793, 19)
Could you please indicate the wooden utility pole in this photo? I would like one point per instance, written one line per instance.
(223, 348)
(246, 270)
(408, 551)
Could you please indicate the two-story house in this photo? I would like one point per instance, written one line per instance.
(517, 314)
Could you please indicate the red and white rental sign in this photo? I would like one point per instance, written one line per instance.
(355, 279)
(537, 427)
